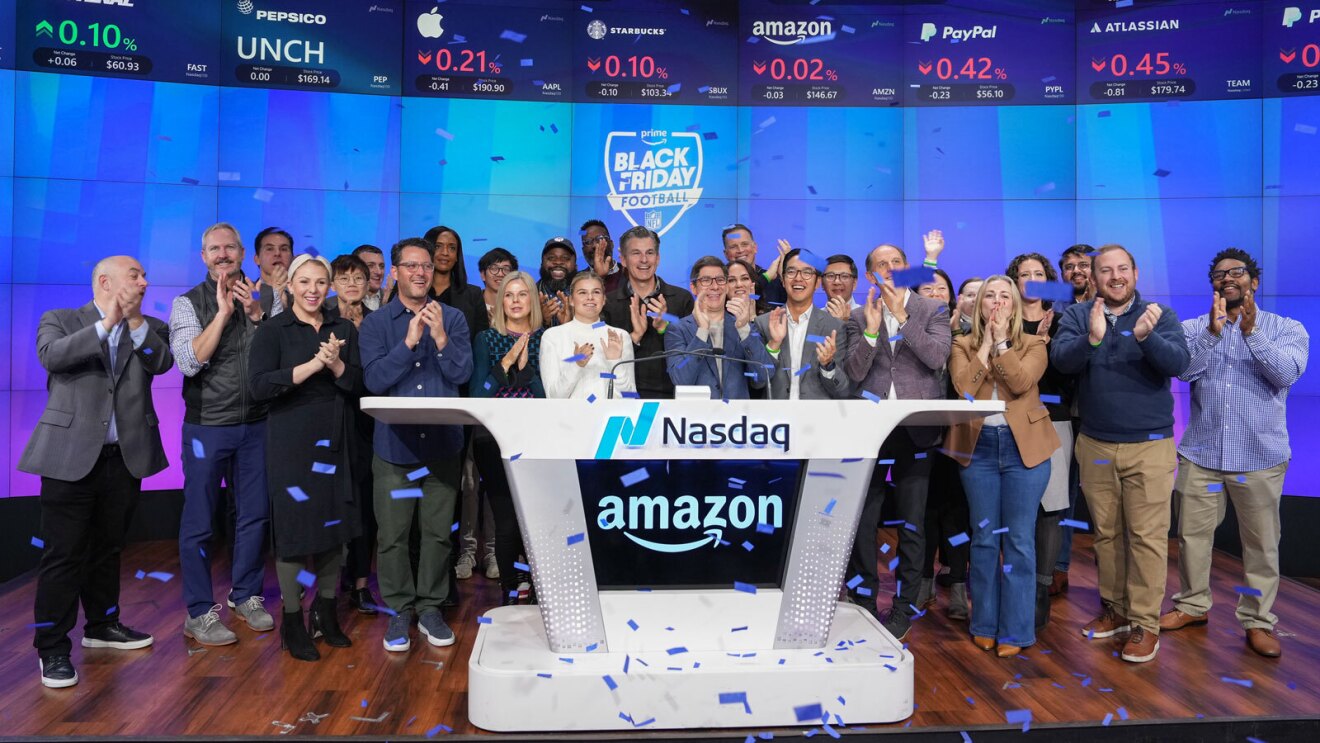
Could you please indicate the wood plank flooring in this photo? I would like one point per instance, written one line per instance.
(178, 689)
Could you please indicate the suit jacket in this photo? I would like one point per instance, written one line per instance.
(913, 364)
(1017, 372)
(682, 336)
(83, 390)
(813, 385)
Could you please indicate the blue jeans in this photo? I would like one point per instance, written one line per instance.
(1003, 493)
(243, 445)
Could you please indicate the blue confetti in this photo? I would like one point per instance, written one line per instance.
(522, 566)
(163, 577)
(324, 442)
(893, 564)
(830, 506)
(884, 548)
(913, 277)
(1122, 713)
(1155, 436)
(329, 524)
(1001, 530)
(1102, 462)
(147, 351)
(483, 620)
(575, 538)
(38, 543)
(198, 450)
(1052, 291)
(308, 580)
(765, 529)
(453, 528)
(591, 398)
(609, 682)
(598, 325)
(1240, 682)
(406, 493)
(744, 587)
(576, 358)
(1247, 590)
(526, 62)
(1051, 399)
(633, 626)
(607, 375)
(323, 468)
(869, 395)
(896, 338)
(748, 546)
(959, 538)
(854, 581)
(679, 650)
(803, 370)
(418, 474)
(297, 493)
(1073, 523)
(634, 477)
(808, 712)
(1215, 487)
(984, 523)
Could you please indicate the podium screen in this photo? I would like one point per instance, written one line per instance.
(689, 524)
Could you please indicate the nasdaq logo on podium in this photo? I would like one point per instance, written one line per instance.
(683, 431)
(654, 176)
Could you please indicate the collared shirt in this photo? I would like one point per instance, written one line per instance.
(373, 299)
(1240, 390)
(797, 340)
(891, 329)
(1112, 317)
(185, 327)
(391, 368)
(114, 335)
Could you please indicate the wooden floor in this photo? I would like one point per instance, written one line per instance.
(178, 689)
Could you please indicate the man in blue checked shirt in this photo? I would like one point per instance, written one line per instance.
(1244, 360)
(413, 347)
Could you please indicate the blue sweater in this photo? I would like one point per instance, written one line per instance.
(1123, 388)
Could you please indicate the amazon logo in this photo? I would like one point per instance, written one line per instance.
(695, 523)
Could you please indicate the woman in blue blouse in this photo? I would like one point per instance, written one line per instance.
(506, 363)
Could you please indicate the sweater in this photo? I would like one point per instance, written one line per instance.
(566, 379)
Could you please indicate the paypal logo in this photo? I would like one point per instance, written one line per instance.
(709, 516)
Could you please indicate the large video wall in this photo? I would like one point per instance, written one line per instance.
(1174, 128)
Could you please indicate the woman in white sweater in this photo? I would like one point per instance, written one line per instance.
(575, 354)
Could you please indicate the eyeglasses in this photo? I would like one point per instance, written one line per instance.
(596, 240)
(498, 270)
(1236, 272)
(351, 280)
(839, 277)
(793, 273)
(411, 266)
(706, 281)
(1077, 266)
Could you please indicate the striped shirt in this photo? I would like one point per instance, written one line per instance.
(1240, 390)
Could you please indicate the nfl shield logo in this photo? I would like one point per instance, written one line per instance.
(654, 176)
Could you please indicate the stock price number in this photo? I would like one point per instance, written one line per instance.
(313, 78)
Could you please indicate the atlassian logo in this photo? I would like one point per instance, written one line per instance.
(654, 176)
(682, 432)
(1160, 24)
(686, 512)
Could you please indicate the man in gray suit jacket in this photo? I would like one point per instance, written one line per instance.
(806, 342)
(897, 343)
(96, 440)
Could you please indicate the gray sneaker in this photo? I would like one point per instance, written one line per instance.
(254, 613)
(396, 634)
(436, 631)
(208, 630)
(463, 568)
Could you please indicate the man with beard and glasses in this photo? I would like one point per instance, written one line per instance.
(558, 264)
(1244, 360)
(1075, 270)
(598, 251)
(274, 254)
(1125, 350)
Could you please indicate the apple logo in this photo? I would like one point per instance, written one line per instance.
(428, 24)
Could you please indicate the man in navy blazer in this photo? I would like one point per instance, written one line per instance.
(897, 343)
(96, 440)
(720, 327)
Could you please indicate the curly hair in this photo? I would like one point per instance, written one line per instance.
(1237, 254)
(1016, 263)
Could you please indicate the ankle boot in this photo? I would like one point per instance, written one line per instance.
(323, 621)
(294, 637)
(926, 593)
(958, 602)
(1042, 605)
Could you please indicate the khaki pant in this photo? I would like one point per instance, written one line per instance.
(1128, 489)
(1255, 497)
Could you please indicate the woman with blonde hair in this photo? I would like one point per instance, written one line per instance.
(1006, 464)
(576, 355)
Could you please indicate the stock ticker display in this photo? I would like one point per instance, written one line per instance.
(1173, 127)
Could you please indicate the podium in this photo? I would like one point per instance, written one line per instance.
(688, 556)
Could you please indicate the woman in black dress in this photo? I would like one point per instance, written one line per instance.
(305, 362)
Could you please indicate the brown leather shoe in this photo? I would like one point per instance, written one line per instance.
(984, 643)
(1177, 619)
(1141, 646)
(1264, 642)
(1108, 624)
(1008, 651)
(1059, 584)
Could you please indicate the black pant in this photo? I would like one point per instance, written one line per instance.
(946, 516)
(362, 550)
(508, 538)
(84, 525)
(911, 480)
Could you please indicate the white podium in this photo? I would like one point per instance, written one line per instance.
(713, 607)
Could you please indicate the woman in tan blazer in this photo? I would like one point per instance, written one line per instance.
(1006, 464)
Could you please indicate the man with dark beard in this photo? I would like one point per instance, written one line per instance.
(1244, 360)
(1075, 269)
(558, 264)
(1125, 350)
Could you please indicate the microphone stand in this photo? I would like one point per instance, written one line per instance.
(703, 353)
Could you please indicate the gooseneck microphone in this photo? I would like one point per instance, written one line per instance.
(702, 353)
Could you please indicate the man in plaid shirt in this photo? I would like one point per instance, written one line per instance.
(1244, 360)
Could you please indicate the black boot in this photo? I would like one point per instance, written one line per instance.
(323, 621)
(1042, 605)
(294, 637)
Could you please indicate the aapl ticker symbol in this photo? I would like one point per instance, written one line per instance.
(428, 24)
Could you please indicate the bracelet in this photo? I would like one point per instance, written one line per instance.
(875, 337)
(771, 351)
(661, 331)
(1097, 343)
(930, 264)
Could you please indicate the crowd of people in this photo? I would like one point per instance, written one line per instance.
(274, 367)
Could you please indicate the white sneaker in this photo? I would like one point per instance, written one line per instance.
(492, 568)
(463, 569)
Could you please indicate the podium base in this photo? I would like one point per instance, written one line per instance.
(516, 683)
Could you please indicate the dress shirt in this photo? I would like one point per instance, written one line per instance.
(797, 339)
(1240, 390)
(891, 328)
(114, 335)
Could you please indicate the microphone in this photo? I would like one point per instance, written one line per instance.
(719, 354)
(703, 353)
